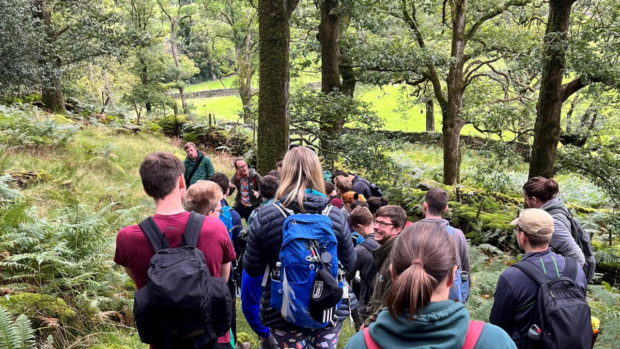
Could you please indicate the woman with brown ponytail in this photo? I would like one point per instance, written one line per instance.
(419, 314)
(541, 192)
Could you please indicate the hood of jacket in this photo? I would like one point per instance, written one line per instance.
(313, 203)
(441, 325)
(555, 203)
(382, 252)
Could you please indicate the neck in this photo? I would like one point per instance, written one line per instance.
(430, 216)
(169, 205)
(244, 175)
(440, 295)
(369, 231)
(530, 249)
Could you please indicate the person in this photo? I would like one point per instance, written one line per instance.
(275, 173)
(375, 202)
(419, 313)
(343, 185)
(228, 216)
(358, 203)
(205, 197)
(268, 188)
(362, 222)
(251, 288)
(301, 190)
(247, 181)
(435, 205)
(330, 190)
(389, 222)
(197, 166)
(358, 183)
(279, 166)
(540, 192)
(162, 176)
(516, 295)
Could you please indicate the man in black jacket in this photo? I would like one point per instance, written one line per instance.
(361, 221)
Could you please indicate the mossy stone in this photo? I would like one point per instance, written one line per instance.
(35, 304)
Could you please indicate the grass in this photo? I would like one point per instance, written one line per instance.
(224, 108)
(97, 178)
(212, 85)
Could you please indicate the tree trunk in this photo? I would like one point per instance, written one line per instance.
(549, 107)
(452, 121)
(273, 91)
(346, 68)
(430, 115)
(245, 78)
(329, 37)
(52, 96)
(175, 55)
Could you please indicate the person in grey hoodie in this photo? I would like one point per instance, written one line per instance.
(540, 192)
(435, 205)
(419, 313)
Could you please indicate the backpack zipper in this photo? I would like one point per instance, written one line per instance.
(552, 294)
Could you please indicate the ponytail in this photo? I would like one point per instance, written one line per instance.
(422, 257)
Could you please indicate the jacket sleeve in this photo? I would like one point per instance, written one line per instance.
(253, 261)
(382, 302)
(208, 168)
(504, 306)
(233, 180)
(463, 251)
(250, 303)
(564, 244)
(346, 251)
(356, 266)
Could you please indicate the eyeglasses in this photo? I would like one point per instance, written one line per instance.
(382, 225)
(218, 211)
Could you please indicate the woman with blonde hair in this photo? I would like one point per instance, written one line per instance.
(302, 190)
(419, 313)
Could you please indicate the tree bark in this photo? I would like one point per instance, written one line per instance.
(51, 94)
(273, 91)
(549, 107)
(175, 55)
(430, 115)
(246, 71)
(452, 121)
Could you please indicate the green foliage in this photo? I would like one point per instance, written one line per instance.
(16, 334)
(27, 128)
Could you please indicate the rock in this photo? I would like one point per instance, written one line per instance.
(133, 128)
(24, 179)
(245, 345)
(425, 186)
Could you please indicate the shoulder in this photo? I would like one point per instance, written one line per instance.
(214, 227)
(357, 341)
(493, 337)
(128, 232)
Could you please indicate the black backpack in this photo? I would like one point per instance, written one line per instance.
(562, 312)
(374, 189)
(581, 238)
(182, 306)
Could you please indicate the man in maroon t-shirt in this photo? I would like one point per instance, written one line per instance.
(162, 179)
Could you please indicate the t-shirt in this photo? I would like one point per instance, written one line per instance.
(134, 251)
(244, 187)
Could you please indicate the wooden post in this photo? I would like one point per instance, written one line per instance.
(214, 122)
(209, 120)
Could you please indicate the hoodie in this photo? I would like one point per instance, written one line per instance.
(562, 241)
(441, 325)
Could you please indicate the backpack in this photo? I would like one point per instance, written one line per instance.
(562, 312)
(182, 306)
(459, 292)
(581, 238)
(309, 247)
(226, 218)
(471, 338)
(374, 189)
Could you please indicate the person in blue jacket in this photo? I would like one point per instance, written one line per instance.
(419, 313)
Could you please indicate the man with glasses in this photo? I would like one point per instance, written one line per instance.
(247, 181)
(389, 222)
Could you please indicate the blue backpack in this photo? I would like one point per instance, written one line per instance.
(305, 239)
(226, 218)
(460, 289)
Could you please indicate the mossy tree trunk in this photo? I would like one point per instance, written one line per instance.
(550, 98)
(51, 91)
(273, 88)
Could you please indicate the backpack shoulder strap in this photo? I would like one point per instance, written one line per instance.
(370, 343)
(367, 245)
(153, 234)
(532, 271)
(473, 333)
(570, 268)
(191, 174)
(192, 231)
(450, 230)
(285, 211)
(327, 210)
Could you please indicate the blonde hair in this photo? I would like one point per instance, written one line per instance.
(301, 170)
(203, 197)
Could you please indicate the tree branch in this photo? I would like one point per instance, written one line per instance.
(580, 82)
(496, 12)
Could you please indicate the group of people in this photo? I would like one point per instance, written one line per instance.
(314, 253)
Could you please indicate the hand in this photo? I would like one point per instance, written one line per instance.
(230, 185)
(362, 327)
(256, 194)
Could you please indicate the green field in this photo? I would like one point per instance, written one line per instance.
(224, 108)
(212, 85)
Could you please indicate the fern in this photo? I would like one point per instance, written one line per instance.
(24, 332)
(16, 334)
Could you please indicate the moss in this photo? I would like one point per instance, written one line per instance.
(34, 304)
(490, 220)
(60, 119)
(581, 209)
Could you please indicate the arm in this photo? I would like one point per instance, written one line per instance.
(128, 271)
(253, 260)
(463, 251)
(504, 306)
(356, 266)
(382, 303)
(234, 184)
(564, 244)
(225, 271)
(346, 251)
(250, 303)
(209, 171)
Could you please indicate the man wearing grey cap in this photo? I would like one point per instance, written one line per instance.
(514, 307)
